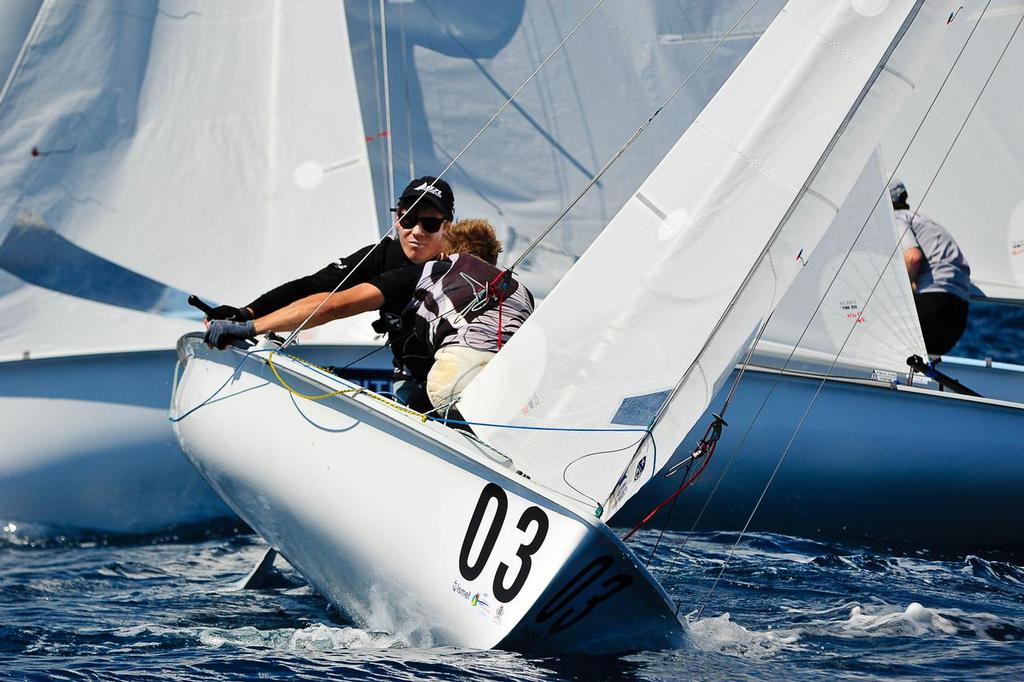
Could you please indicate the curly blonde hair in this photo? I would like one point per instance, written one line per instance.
(473, 236)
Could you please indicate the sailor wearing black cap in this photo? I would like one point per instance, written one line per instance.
(425, 208)
(939, 274)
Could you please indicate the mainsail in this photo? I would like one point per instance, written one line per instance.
(643, 330)
(149, 149)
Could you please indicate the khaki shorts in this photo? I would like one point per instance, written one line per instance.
(454, 367)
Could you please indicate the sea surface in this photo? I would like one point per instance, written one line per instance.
(170, 607)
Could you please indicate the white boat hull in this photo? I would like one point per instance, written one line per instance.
(410, 527)
(88, 447)
(906, 468)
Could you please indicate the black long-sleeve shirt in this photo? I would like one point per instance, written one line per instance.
(358, 268)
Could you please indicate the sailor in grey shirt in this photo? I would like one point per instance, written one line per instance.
(939, 274)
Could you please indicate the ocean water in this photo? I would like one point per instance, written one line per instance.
(169, 607)
(785, 608)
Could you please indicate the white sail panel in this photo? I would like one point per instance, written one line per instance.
(857, 259)
(978, 195)
(162, 148)
(452, 65)
(623, 335)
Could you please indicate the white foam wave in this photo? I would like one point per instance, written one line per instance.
(855, 620)
(721, 635)
(890, 620)
(313, 638)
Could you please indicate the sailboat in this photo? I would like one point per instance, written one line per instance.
(828, 424)
(894, 480)
(500, 539)
(147, 151)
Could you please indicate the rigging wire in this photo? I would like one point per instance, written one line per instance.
(828, 374)
(759, 335)
(387, 104)
(632, 138)
(376, 69)
(408, 97)
(490, 121)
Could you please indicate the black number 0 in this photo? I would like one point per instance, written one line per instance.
(490, 492)
(471, 571)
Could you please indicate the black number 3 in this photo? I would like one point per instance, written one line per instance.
(533, 514)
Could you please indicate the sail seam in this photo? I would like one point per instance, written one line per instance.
(751, 161)
(828, 41)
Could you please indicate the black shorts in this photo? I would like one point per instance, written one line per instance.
(943, 320)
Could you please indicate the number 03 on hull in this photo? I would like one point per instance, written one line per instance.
(409, 527)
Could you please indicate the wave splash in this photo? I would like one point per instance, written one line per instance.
(316, 637)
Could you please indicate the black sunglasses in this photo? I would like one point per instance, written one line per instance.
(409, 220)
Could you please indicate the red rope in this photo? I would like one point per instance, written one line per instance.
(494, 291)
(706, 446)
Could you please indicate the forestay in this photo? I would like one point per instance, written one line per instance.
(154, 149)
(851, 302)
(702, 251)
(978, 195)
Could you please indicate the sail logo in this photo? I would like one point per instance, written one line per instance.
(1017, 247)
(852, 310)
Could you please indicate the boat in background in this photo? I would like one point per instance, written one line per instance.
(556, 120)
(866, 452)
(147, 153)
(101, 205)
(378, 507)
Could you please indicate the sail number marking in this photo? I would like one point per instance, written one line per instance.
(533, 517)
(562, 601)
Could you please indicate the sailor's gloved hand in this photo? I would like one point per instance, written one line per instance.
(227, 312)
(223, 332)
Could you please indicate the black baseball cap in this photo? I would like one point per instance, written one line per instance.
(433, 190)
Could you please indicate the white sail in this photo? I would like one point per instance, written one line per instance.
(978, 195)
(452, 65)
(851, 302)
(153, 149)
(621, 341)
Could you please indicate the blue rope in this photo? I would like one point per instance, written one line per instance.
(536, 428)
(206, 402)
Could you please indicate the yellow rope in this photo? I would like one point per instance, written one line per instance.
(323, 396)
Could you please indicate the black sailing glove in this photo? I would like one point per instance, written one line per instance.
(223, 332)
(226, 312)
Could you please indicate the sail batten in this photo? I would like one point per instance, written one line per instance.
(697, 258)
